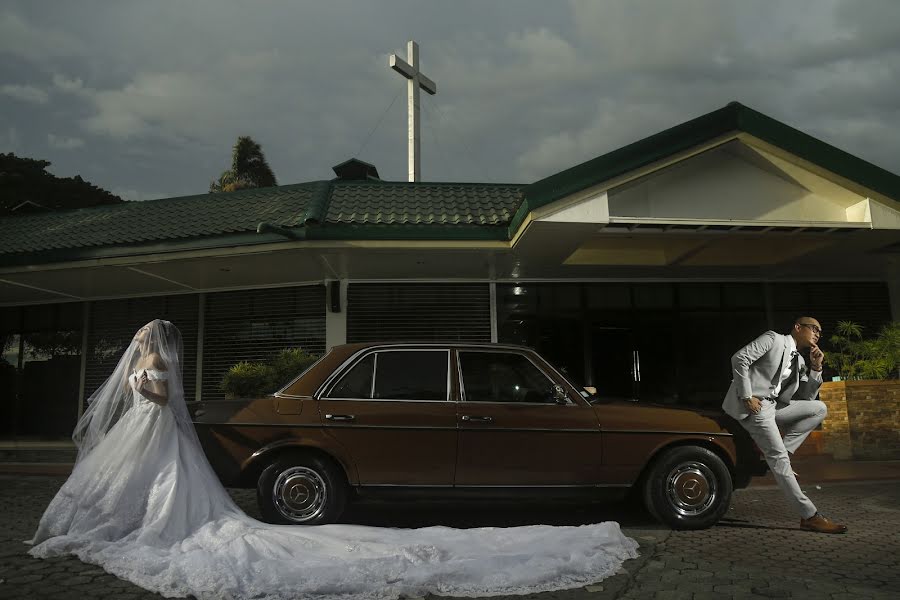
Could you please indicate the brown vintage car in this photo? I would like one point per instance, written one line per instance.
(459, 420)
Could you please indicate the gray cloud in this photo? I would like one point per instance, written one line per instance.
(64, 143)
(25, 93)
(157, 92)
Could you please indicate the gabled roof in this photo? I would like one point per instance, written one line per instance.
(732, 118)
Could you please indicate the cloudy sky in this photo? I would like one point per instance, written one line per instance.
(145, 98)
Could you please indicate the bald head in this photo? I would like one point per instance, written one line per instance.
(806, 332)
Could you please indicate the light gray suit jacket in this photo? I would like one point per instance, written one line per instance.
(756, 369)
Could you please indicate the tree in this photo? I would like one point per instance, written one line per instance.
(26, 186)
(249, 169)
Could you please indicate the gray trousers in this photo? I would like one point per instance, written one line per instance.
(797, 420)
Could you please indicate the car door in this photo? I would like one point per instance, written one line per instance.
(512, 430)
(393, 411)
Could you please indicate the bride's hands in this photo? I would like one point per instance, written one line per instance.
(142, 381)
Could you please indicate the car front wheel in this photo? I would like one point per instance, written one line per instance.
(301, 490)
(688, 487)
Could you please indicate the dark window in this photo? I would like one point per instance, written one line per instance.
(503, 377)
(357, 383)
(411, 375)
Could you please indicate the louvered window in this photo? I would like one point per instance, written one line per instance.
(418, 312)
(114, 323)
(865, 303)
(254, 325)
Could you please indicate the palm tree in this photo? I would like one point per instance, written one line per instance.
(249, 169)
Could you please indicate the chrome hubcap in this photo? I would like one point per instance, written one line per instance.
(691, 488)
(300, 494)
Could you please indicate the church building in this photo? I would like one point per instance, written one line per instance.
(639, 272)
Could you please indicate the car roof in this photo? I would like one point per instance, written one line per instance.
(350, 348)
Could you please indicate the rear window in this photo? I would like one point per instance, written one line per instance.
(411, 375)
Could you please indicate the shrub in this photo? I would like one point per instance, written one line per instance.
(249, 379)
(854, 357)
(255, 379)
(290, 362)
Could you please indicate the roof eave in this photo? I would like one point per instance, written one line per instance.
(335, 232)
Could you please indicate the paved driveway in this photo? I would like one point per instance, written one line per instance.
(757, 552)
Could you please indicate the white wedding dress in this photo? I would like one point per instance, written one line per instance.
(145, 505)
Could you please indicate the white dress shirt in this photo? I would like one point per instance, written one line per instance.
(792, 349)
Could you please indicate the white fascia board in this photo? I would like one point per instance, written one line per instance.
(882, 216)
(593, 209)
(663, 222)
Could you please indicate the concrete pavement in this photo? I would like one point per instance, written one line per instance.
(757, 551)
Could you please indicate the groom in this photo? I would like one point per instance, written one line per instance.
(773, 387)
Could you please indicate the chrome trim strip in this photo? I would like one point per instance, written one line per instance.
(402, 485)
(459, 375)
(374, 375)
(587, 486)
(383, 400)
(358, 426)
(536, 486)
(534, 404)
(534, 429)
(361, 355)
(278, 425)
(719, 434)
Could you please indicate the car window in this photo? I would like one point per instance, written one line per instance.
(411, 375)
(357, 383)
(503, 377)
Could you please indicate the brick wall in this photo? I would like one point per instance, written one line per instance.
(863, 419)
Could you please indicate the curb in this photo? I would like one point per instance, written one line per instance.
(21, 468)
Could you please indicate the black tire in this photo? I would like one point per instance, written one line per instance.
(300, 489)
(688, 487)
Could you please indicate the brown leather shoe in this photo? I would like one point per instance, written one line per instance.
(822, 524)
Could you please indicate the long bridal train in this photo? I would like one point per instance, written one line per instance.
(143, 503)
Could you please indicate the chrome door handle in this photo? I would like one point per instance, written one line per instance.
(340, 417)
(477, 419)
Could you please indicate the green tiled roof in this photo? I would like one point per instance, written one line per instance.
(159, 220)
(423, 203)
(317, 210)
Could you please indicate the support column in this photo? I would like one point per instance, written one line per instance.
(893, 283)
(201, 331)
(335, 321)
(85, 331)
(493, 301)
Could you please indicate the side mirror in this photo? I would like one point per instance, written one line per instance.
(559, 395)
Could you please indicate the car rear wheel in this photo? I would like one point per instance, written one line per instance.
(301, 490)
(688, 487)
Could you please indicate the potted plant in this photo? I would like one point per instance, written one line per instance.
(864, 399)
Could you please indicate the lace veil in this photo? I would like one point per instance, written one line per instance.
(116, 396)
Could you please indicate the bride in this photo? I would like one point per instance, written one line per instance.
(143, 503)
